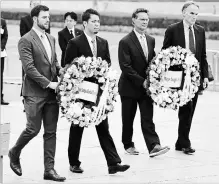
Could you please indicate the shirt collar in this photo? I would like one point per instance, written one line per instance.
(138, 34)
(186, 25)
(71, 29)
(39, 33)
(88, 37)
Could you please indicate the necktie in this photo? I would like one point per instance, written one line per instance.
(191, 41)
(94, 49)
(144, 47)
(47, 46)
(71, 33)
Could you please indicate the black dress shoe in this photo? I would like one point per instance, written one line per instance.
(15, 164)
(188, 150)
(76, 169)
(4, 102)
(52, 175)
(117, 168)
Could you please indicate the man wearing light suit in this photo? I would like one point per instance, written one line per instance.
(191, 36)
(38, 57)
(136, 50)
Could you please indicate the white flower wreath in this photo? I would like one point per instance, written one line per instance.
(173, 57)
(78, 111)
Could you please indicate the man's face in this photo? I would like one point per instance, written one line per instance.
(43, 20)
(141, 21)
(93, 24)
(34, 3)
(70, 22)
(190, 14)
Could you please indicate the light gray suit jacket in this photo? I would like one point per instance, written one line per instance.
(39, 71)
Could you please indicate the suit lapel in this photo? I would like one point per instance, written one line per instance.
(39, 43)
(52, 47)
(87, 45)
(137, 43)
(98, 46)
(149, 45)
(181, 34)
(196, 32)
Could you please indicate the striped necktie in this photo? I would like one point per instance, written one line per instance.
(94, 49)
(191, 41)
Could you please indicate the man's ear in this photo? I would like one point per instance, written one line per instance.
(34, 19)
(133, 21)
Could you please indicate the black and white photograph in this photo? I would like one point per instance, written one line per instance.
(109, 91)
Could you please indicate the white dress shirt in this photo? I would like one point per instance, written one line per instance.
(142, 37)
(90, 39)
(45, 42)
(186, 33)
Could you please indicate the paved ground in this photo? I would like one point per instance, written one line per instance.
(174, 167)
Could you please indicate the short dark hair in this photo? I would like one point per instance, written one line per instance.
(73, 15)
(188, 3)
(37, 9)
(139, 10)
(86, 15)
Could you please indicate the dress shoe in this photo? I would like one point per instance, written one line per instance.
(52, 175)
(187, 151)
(117, 168)
(158, 150)
(132, 151)
(4, 102)
(15, 164)
(76, 169)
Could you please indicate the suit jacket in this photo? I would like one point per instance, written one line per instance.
(39, 70)
(79, 46)
(174, 36)
(26, 24)
(4, 36)
(133, 64)
(64, 36)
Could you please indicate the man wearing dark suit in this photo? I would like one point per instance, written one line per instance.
(38, 57)
(191, 36)
(88, 44)
(68, 32)
(4, 39)
(136, 50)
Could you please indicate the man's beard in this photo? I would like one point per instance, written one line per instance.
(42, 26)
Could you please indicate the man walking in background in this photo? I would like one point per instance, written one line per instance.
(191, 36)
(68, 32)
(38, 57)
(4, 39)
(136, 50)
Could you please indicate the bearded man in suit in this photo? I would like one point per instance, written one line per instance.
(88, 45)
(69, 32)
(191, 36)
(41, 68)
(26, 22)
(136, 50)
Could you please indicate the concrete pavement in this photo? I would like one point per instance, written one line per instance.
(173, 167)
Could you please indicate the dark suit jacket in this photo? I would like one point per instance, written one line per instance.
(4, 36)
(26, 24)
(64, 36)
(174, 36)
(133, 65)
(39, 71)
(79, 46)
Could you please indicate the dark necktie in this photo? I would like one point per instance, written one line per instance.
(191, 41)
(71, 33)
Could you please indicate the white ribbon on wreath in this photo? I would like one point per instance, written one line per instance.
(187, 87)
